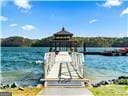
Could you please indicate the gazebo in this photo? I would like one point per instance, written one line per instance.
(63, 41)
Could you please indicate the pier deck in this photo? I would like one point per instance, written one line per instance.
(64, 69)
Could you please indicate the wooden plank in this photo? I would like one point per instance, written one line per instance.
(57, 79)
(54, 71)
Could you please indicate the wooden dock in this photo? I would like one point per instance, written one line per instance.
(64, 69)
(118, 52)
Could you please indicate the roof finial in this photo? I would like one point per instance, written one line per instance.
(63, 29)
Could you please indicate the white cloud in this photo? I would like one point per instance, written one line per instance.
(125, 11)
(28, 27)
(110, 3)
(3, 18)
(13, 25)
(24, 4)
(93, 21)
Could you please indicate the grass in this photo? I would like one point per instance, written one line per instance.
(25, 92)
(110, 90)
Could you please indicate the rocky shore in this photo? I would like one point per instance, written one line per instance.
(17, 86)
(122, 80)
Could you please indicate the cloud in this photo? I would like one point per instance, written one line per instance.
(24, 4)
(93, 21)
(13, 25)
(3, 18)
(28, 27)
(110, 3)
(124, 12)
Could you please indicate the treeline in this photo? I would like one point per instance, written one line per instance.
(17, 41)
(90, 42)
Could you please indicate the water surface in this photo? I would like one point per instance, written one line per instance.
(24, 65)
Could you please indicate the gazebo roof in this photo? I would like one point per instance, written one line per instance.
(63, 32)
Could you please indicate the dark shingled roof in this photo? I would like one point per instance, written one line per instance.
(63, 32)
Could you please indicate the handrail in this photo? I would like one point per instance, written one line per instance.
(49, 61)
(78, 63)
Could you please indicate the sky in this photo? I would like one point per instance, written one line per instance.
(40, 19)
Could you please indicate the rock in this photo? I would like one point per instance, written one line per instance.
(110, 82)
(13, 85)
(104, 83)
(7, 86)
(4, 87)
(39, 86)
(96, 85)
(21, 88)
(114, 81)
(122, 77)
(85, 83)
(1, 86)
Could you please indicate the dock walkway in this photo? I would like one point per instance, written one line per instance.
(64, 69)
(64, 92)
(64, 75)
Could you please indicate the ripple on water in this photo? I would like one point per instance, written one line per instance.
(17, 62)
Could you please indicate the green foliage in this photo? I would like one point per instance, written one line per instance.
(122, 80)
(90, 42)
(16, 42)
(42, 43)
(121, 42)
(95, 41)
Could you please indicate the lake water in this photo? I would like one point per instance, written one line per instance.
(24, 65)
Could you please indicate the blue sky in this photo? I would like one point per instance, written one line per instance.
(39, 19)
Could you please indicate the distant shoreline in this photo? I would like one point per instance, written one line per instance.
(17, 41)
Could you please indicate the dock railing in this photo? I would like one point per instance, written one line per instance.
(78, 63)
(49, 61)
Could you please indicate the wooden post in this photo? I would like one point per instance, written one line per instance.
(70, 45)
(76, 46)
(59, 46)
(84, 47)
(55, 46)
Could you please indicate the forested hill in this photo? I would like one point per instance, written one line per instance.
(90, 42)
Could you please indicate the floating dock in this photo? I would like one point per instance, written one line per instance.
(116, 52)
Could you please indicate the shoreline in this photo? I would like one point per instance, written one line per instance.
(18, 92)
(114, 87)
(40, 85)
